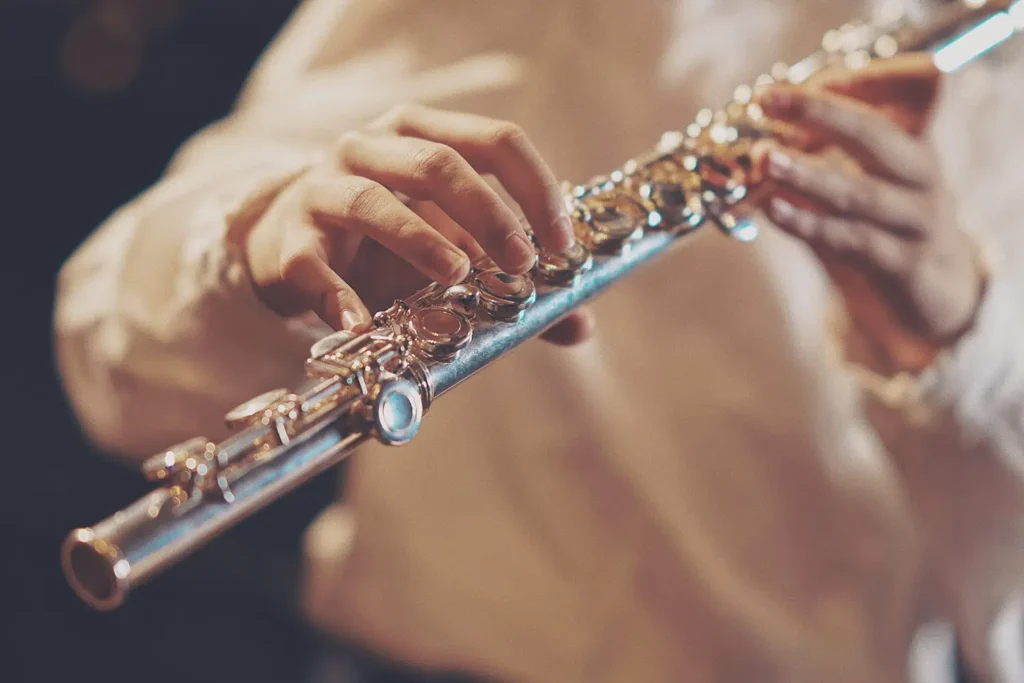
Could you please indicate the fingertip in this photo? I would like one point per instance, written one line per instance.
(350, 321)
(520, 255)
(573, 329)
(341, 311)
(561, 235)
(460, 268)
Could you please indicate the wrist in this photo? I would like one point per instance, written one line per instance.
(890, 345)
(957, 305)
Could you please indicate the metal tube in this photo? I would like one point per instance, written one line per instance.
(103, 563)
(492, 341)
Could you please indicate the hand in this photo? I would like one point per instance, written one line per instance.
(867, 196)
(338, 236)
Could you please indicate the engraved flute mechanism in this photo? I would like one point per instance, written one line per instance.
(380, 384)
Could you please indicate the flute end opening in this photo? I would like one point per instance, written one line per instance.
(95, 569)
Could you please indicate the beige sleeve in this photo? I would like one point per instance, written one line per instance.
(956, 434)
(157, 329)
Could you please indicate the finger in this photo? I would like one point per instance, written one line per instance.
(453, 232)
(573, 329)
(304, 266)
(840, 236)
(848, 191)
(504, 150)
(909, 77)
(904, 88)
(428, 170)
(877, 142)
(361, 205)
(791, 135)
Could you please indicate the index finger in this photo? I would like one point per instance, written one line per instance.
(868, 134)
(504, 150)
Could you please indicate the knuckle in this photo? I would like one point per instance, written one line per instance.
(806, 175)
(361, 197)
(839, 236)
(859, 129)
(399, 116)
(297, 262)
(807, 223)
(888, 256)
(506, 231)
(818, 109)
(346, 142)
(503, 221)
(856, 197)
(407, 230)
(435, 163)
(508, 136)
(406, 111)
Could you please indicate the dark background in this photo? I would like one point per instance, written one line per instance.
(95, 97)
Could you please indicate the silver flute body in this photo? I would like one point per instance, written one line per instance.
(381, 383)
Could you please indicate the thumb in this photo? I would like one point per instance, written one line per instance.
(573, 329)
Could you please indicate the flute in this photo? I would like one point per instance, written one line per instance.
(381, 383)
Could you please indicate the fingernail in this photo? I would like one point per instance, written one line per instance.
(523, 252)
(780, 164)
(350, 321)
(781, 209)
(563, 233)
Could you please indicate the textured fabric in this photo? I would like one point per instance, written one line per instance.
(698, 492)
